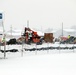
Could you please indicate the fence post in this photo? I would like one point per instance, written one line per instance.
(48, 47)
(4, 41)
(73, 47)
(22, 48)
(36, 49)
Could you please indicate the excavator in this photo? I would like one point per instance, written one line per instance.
(31, 36)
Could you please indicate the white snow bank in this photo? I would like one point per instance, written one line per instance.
(49, 64)
(38, 64)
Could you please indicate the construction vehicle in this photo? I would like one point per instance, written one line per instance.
(31, 36)
(71, 40)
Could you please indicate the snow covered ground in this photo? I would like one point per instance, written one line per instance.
(45, 62)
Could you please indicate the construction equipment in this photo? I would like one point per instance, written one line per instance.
(31, 36)
(71, 40)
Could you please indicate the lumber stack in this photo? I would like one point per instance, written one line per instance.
(48, 37)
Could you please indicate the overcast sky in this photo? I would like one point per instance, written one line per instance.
(40, 13)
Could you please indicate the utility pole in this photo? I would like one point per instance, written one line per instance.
(41, 29)
(11, 30)
(62, 28)
(22, 45)
(27, 23)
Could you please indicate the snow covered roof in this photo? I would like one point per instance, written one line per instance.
(66, 30)
(15, 33)
(54, 31)
(69, 30)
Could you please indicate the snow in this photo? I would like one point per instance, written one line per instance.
(53, 62)
(40, 33)
(15, 33)
(70, 30)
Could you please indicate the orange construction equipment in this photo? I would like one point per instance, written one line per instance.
(31, 36)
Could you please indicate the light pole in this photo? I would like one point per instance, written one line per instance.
(4, 40)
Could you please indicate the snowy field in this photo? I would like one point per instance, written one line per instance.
(44, 62)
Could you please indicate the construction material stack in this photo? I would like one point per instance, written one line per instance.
(48, 37)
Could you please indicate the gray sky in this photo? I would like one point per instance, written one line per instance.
(40, 13)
